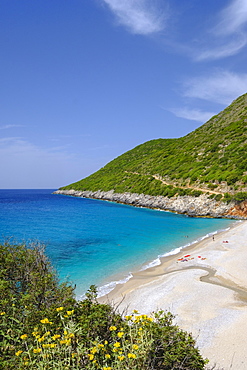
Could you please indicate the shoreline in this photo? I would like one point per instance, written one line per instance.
(201, 206)
(117, 280)
(166, 262)
(207, 293)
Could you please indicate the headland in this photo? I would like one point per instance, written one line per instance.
(201, 206)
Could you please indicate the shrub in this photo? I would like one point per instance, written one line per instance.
(29, 290)
(28, 278)
(240, 197)
(232, 178)
(43, 327)
(136, 342)
(218, 197)
(227, 198)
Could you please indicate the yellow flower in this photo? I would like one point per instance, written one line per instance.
(18, 353)
(41, 339)
(107, 368)
(107, 356)
(135, 311)
(121, 358)
(120, 334)
(112, 328)
(49, 345)
(23, 336)
(59, 309)
(65, 341)
(56, 336)
(36, 350)
(128, 317)
(71, 335)
(106, 342)
(140, 332)
(91, 357)
(3, 313)
(117, 344)
(135, 346)
(47, 333)
(70, 312)
(45, 321)
(94, 350)
(131, 355)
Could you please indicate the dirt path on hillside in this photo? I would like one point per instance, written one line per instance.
(159, 178)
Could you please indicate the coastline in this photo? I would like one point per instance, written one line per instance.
(201, 206)
(117, 280)
(207, 293)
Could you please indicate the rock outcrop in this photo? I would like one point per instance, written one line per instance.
(202, 206)
(239, 210)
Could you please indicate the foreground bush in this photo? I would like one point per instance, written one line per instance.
(29, 290)
(46, 328)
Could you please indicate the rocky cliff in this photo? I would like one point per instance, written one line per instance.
(201, 206)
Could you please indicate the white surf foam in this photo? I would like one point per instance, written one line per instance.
(153, 263)
(157, 261)
(107, 288)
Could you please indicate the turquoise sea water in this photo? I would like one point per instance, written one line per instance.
(97, 242)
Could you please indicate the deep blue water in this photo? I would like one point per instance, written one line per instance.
(96, 242)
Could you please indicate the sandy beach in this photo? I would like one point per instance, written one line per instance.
(206, 291)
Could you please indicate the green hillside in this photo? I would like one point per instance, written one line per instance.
(212, 159)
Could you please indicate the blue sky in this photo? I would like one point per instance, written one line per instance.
(83, 81)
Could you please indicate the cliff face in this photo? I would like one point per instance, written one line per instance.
(239, 210)
(192, 206)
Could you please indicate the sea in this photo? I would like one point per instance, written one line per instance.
(97, 242)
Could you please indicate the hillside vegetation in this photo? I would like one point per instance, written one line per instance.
(210, 159)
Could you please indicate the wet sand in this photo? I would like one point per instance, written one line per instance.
(207, 293)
